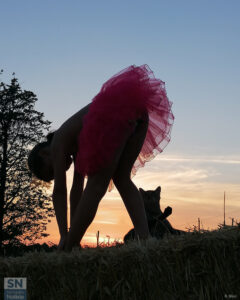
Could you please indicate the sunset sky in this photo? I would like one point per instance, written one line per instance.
(64, 51)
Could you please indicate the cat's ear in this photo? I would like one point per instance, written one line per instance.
(158, 190)
(50, 136)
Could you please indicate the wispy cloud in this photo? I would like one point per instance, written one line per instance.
(104, 222)
(200, 159)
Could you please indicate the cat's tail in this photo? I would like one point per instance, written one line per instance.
(167, 212)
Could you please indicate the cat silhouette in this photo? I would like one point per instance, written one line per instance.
(157, 220)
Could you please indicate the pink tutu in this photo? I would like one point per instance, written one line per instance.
(126, 96)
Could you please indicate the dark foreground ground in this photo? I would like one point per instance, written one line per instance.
(199, 266)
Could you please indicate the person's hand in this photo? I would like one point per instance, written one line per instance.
(62, 243)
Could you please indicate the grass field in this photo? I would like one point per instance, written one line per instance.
(198, 266)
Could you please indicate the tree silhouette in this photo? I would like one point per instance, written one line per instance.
(24, 201)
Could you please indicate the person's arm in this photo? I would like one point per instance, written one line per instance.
(60, 207)
(60, 194)
(75, 193)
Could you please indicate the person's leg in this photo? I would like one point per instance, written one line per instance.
(127, 189)
(86, 210)
(135, 207)
(87, 207)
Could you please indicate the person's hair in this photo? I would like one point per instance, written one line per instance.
(35, 161)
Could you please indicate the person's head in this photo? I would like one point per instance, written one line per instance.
(39, 160)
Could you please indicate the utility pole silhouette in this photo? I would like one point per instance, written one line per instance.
(224, 209)
(108, 236)
(97, 235)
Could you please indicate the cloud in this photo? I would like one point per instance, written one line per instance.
(200, 159)
(105, 222)
(188, 175)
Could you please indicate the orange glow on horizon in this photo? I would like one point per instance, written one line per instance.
(193, 188)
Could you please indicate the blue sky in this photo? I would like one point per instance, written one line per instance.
(65, 50)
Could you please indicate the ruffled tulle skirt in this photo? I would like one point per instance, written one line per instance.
(126, 96)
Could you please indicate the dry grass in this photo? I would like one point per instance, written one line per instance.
(199, 266)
